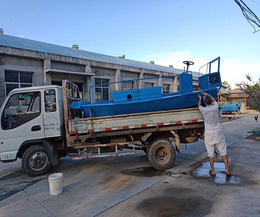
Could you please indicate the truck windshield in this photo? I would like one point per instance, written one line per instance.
(20, 108)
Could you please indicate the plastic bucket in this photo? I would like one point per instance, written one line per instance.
(56, 183)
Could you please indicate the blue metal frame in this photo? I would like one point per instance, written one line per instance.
(137, 100)
(210, 79)
(134, 80)
(209, 65)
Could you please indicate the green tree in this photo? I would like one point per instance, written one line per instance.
(252, 88)
(227, 86)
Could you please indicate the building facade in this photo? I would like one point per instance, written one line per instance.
(25, 63)
(234, 97)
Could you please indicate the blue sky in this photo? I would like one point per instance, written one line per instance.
(166, 31)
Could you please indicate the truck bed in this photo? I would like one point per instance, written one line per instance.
(82, 132)
(122, 123)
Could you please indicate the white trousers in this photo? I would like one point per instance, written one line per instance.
(215, 139)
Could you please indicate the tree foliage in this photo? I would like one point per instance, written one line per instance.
(252, 88)
(227, 86)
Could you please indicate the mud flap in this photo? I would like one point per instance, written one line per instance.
(177, 141)
(52, 152)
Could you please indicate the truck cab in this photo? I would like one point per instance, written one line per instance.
(27, 117)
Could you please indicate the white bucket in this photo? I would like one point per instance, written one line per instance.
(56, 183)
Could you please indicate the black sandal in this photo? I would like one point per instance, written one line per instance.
(228, 173)
(211, 173)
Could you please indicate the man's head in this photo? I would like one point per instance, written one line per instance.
(207, 99)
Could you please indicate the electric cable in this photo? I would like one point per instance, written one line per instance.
(251, 18)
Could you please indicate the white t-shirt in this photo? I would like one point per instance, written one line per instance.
(211, 117)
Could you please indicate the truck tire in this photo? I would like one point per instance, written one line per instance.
(161, 154)
(36, 161)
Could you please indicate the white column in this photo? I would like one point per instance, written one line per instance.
(46, 66)
(141, 83)
(160, 80)
(175, 84)
(88, 82)
(87, 68)
(118, 78)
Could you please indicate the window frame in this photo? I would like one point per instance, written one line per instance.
(18, 83)
(50, 100)
(22, 117)
(149, 84)
(102, 88)
(167, 89)
(128, 85)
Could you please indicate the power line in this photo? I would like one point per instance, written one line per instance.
(252, 19)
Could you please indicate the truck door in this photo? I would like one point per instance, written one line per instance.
(21, 121)
(52, 113)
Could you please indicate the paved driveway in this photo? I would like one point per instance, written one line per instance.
(128, 186)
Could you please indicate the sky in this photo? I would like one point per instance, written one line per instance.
(167, 32)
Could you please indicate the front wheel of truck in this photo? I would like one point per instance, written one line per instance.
(36, 161)
(161, 154)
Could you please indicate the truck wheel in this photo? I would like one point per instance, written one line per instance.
(36, 161)
(161, 154)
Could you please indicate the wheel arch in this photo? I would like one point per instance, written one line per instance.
(46, 143)
(27, 144)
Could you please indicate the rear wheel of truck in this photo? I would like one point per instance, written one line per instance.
(161, 154)
(36, 161)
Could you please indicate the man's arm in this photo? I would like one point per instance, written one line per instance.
(199, 103)
(212, 98)
(200, 97)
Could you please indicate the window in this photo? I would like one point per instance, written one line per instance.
(148, 84)
(17, 79)
(102, 91)
(166, 88)
(20, 109)
(80, 86)
(50, 100)
(129, 85)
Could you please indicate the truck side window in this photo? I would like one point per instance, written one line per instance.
(50, 100)
(20, 109)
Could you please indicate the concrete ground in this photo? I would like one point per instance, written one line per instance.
(128, 186)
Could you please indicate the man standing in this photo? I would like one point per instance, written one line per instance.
(213, 132)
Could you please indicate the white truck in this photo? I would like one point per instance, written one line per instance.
(39, 127)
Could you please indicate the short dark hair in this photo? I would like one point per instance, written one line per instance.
(207, 99)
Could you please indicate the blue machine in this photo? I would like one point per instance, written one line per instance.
(230, 108)
(140, 100)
